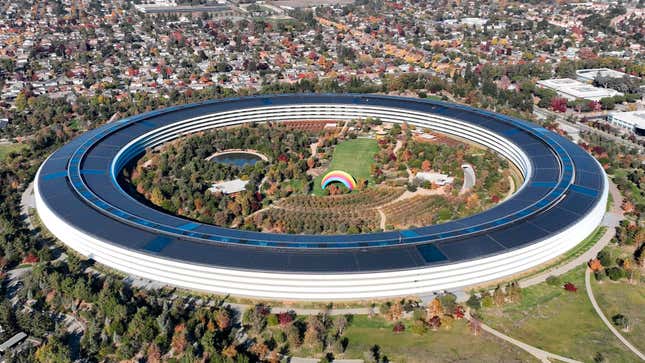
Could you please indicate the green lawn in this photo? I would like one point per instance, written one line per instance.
(6, 149)
(352, 156)
(558, 321)
(455, 345)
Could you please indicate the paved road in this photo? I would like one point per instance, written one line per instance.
(560, 117)
(469, 178)
(604, 318)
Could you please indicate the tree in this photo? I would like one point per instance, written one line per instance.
(620, 321)
(608, 103)
(426, 166)
(559, 104)
(435, 322)
(223, 319)
(54, 351)
(153, 354)
(435, 308)
(570, 287)
(498, 296)
(419, 327)
(514, 292)
(595, 265)
(473, 302)
(604, 256)
(615, 273)
(179, 341)
(398, 327)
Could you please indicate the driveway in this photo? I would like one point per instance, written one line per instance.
(469, 178)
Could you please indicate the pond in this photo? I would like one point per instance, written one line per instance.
(239, 159)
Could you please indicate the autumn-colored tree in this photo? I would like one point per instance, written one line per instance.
(156, 196)
(273, 357)
(628, 266)
(435, 308)
(211, 326)
(628, 207)
(513, 292)
(398, 327)
(570, 287)
(230, 351)
(459, 312)
(153, 354)
(313, 338)
(498, 296)
(595, 265)
(260, 350)
(559, 104)
(472, 201)
(426, 166)
(395, 312)
(179, 341)
(435, 322)
(223, 319)
(285, 318)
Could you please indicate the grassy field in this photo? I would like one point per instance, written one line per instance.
(455, 345)
(6, 149)
(558, 321)
(352, 156)
(627, 299)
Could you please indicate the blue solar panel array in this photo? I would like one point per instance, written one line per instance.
(78, 183)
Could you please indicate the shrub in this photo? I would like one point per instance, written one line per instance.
(570, 287)
(418, 314)
(459, 312)
(553, 281)
(473, 302)
(620, 321)
(272, 320)
(398, 327)
(487, 301)
(419, 327)
(599, 275)
(605, 258)
(286, 317)
(615, 273)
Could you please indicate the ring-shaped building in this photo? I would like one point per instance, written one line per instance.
(561, 201)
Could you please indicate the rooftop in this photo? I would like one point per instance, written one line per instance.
(229, 187)
(635, 118)
(572, 89)
(591, 73)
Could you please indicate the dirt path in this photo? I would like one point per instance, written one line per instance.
(397, 147)
(383, 218)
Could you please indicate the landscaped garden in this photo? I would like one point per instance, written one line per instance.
(355, 157)
(393, 169)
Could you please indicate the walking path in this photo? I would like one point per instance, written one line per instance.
(28, 201)
(604, 318)
(540, 354)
